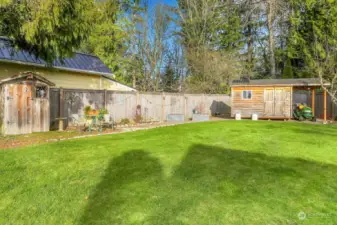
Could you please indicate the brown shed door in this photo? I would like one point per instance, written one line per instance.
(279, 102)
(269, 103)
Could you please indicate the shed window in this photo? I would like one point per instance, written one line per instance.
(246, 94)
(41, 91)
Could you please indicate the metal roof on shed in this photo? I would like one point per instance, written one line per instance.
(279, 82)
(79, 62)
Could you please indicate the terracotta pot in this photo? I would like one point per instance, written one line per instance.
(93, 112)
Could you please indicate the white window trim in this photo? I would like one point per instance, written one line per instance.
(251, 95)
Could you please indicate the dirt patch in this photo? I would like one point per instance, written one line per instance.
(45, 137)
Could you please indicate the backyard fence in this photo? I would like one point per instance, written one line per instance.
(151, 106)
(156, 106)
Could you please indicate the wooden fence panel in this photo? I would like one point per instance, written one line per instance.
(121, 105)
(173, 104)
(54, 101)
(153, 106)
(75, 100)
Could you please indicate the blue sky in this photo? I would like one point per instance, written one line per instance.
(169, 2)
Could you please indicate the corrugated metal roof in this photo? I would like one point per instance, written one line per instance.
(278, 82)
(79, 61)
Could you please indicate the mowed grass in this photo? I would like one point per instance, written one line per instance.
(228, 172)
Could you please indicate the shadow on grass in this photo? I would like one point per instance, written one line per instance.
(212, 186)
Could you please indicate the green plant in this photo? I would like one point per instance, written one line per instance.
(103, 111)
(124, 121)
(87, 109)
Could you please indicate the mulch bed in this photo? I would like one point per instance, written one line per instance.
(8, 142)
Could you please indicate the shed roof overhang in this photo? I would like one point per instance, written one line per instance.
(302, 82)
(57, 67)
(26, 76)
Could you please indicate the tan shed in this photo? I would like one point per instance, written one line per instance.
(269, 98)
(24, 104)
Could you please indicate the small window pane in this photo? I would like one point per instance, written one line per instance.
(247, 94)
(41, 92)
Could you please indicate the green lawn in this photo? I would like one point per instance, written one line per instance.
(228, 172)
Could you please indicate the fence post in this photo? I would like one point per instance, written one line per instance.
(61, 110)
(313, 101)
(324, 105)
(332, 110)
(105, 98)
(163, 107)
(185, 106)
(137, 99)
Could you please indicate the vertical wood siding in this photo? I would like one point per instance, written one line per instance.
(24, 113)
(265, 101)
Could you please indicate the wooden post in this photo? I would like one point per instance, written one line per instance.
(61, 110)
(324, 105)
(163, 107)
(313, 101)
(185, 107)
(105, 98)
(137, 99)
(332, 111)
(291, 102)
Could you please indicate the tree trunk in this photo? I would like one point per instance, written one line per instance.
(270, 16)
(133, 79)
(250, 49)
(157, 81)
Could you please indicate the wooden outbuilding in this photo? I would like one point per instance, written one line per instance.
(24, 104)
(271, 98)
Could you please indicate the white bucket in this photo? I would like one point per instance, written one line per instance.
(255, 117)
(237, 116)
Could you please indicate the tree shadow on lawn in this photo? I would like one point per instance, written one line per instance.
(213, 186)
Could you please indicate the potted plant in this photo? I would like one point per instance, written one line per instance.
(88, 111)
(93, 112)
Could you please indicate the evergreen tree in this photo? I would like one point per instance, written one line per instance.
(47, 28)
(169, 81)
(288, 70)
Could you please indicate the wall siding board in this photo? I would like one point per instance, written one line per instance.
(64, 79)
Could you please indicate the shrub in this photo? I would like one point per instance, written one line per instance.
(124, 121)
(86, 110)
(103, 111)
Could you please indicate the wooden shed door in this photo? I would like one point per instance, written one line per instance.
(269, 103)
(279, 102)
(18, 109)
